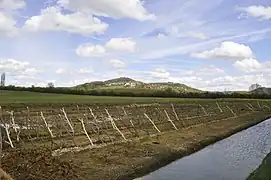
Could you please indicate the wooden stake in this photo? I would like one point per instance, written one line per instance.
(259, 105)
(152, 122)
(125, 113)
(203, 109)
(231, 111)
(249, 107)
(6, 126)
(219, 107)
(46, 125)
(176, 115)
(67, 120)
(170, 120)
(85, 131)
(114, 125)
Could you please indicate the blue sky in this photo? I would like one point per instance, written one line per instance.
(215, 45)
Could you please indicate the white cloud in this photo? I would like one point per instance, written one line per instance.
(110, 8)
(113, 45)
(52, 19)
(210, 70)
(7, 25)
(253, 66)
(117, 63)
(248, 65)
(87, 50)
(121, 44)
(61, 71)
(85, 70)
(227, 51)
(30, 72)
(259, 11)
(12, 4)
(14, 67)
(197, 35)
(160, 73)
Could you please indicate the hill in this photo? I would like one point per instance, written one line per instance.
(262, 90)
(128, 83)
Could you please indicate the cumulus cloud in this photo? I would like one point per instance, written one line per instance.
(121, 44)
(85, 70)
(253, 66)
(160, 73)
(88, 50)
(133, 9)
(113, 45)
(7, 25)
(248, 65)
(52, 19)
(12, 4)
(210, 70)
(227, 51)
(259, 11)
(117, 63)
(61, 71)
(12, 66)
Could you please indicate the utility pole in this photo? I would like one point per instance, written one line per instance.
(3, 79)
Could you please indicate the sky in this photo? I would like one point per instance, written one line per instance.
(213, 45)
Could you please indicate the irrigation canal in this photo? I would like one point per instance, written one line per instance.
(233, 158)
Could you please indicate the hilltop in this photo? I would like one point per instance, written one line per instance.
(128, 83)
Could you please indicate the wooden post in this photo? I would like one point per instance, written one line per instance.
(67, 120)
(114, 125)
(259, 105)
(170, 120)
(14, 126)
(85, 131)
(125, 113)
(176, 115)
(219, 107)
(251, 105)
(6, 126)
(152, 122)
(203, 109)
(46, 125)
(231, 111)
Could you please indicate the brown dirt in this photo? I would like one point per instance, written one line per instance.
(131, 160)
(29, 164)
(122, 160)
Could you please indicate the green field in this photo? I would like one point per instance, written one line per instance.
(13, 97)
(8, 97)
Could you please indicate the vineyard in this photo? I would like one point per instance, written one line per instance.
(60, 130)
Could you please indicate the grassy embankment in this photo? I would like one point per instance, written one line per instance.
(138, 156)
(264, 170)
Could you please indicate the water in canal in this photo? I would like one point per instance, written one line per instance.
(233, 158)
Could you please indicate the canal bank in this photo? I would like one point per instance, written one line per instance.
(138, 158)
(234, 157)
(264, 170)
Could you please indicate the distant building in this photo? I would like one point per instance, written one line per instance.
(3, 79)
(254, 86)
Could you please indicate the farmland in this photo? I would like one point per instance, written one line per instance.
(52, 136)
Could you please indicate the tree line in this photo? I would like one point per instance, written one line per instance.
(170, 93)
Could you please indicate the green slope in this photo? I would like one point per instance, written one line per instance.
(125, 84)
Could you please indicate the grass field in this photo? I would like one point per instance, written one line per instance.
(24, 97)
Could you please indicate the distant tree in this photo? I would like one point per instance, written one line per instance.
(50, 85)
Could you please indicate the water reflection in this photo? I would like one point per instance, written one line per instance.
(233, 158)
